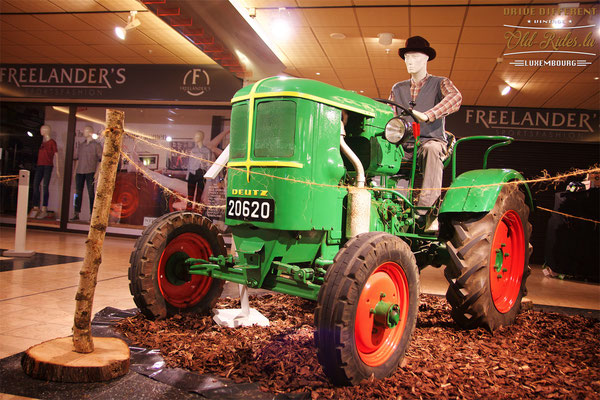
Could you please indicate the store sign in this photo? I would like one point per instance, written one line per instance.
(535, 124)
(118, 82)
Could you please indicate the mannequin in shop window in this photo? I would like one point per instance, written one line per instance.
(201, 159)
(46, 161)
(431, 98)
(198, 164)
(87, 158)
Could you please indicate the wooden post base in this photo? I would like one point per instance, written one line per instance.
(56, 360)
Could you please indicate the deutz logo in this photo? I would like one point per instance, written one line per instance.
(249, 192)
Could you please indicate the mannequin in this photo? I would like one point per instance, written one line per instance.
(430, 98)
(47, 159)
(197, 168)
(87, 158)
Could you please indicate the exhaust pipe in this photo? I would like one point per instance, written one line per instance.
(358, 214)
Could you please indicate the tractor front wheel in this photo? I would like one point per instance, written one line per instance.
(158, 277)
(489, 262)
(367, 308)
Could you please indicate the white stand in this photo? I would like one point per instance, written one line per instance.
(21, 223)
(246, 316)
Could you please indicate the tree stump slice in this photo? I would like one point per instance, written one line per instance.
(56, 360)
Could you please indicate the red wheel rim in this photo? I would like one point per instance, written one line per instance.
(126, 194)
(376, 343)
(186, 291)
(507, 260)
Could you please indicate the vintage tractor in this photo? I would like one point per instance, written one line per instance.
(314, 211)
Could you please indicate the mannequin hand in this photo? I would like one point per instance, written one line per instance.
(421, 117)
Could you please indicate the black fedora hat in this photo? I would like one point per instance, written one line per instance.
(418, 44)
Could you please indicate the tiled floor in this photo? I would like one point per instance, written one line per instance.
(37, 304)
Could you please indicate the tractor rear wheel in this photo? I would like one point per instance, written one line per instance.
(489, 262)
(367, 308)
(158, 277)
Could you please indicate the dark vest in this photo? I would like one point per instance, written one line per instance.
(429, 96)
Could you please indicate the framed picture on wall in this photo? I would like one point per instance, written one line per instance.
(177, 161)
(150, 161)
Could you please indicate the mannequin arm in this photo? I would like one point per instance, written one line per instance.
(421, 117)
(214, 143)
(56, 165)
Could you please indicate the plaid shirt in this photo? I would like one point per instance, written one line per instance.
(449, 104)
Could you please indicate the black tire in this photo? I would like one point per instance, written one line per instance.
(349, 355)
(483, 291)
(159, 285)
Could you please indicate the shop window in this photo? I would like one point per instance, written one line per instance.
(33, 138)
(161, 146)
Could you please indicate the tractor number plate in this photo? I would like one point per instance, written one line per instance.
(262, 210)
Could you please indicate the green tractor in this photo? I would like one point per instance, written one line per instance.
(314, 212)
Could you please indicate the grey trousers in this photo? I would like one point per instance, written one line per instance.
(429, 157)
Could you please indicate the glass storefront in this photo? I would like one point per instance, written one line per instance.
(162, 162)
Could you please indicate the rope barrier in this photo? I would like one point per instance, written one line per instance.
(567, 215)
(544, 178)
(8, 178)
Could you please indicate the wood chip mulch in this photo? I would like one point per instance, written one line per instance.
(543, 355)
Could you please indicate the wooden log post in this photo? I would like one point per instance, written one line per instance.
(55, 360)
(82, 328)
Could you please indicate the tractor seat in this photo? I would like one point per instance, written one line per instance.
(449, 148)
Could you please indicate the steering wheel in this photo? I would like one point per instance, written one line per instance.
(393, 103)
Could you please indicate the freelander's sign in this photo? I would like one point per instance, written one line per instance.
(118, 82)
(531, 124)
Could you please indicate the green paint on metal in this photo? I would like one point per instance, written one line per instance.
(499, 260)
(175, 269)
(477, 190)
(386, 314)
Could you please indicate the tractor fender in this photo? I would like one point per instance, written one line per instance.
(477, 190)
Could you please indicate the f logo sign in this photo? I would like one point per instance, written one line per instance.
(196, 82)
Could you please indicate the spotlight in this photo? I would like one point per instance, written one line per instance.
(504, 90)
(132, 23)
(29, 134)
(169, 139)
(94, 136)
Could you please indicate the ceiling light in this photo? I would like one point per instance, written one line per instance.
(317, 73)
(29, 134)
(132, 22)
(281, 27)
(337, 35)
(94, 136)
(385, 38)
(596, 78)
(504, 90)
(169, 139)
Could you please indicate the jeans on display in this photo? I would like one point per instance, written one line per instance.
(196, 184)
(80, 180)
(42, 173)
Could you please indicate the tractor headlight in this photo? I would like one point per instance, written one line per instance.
(398, 130)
